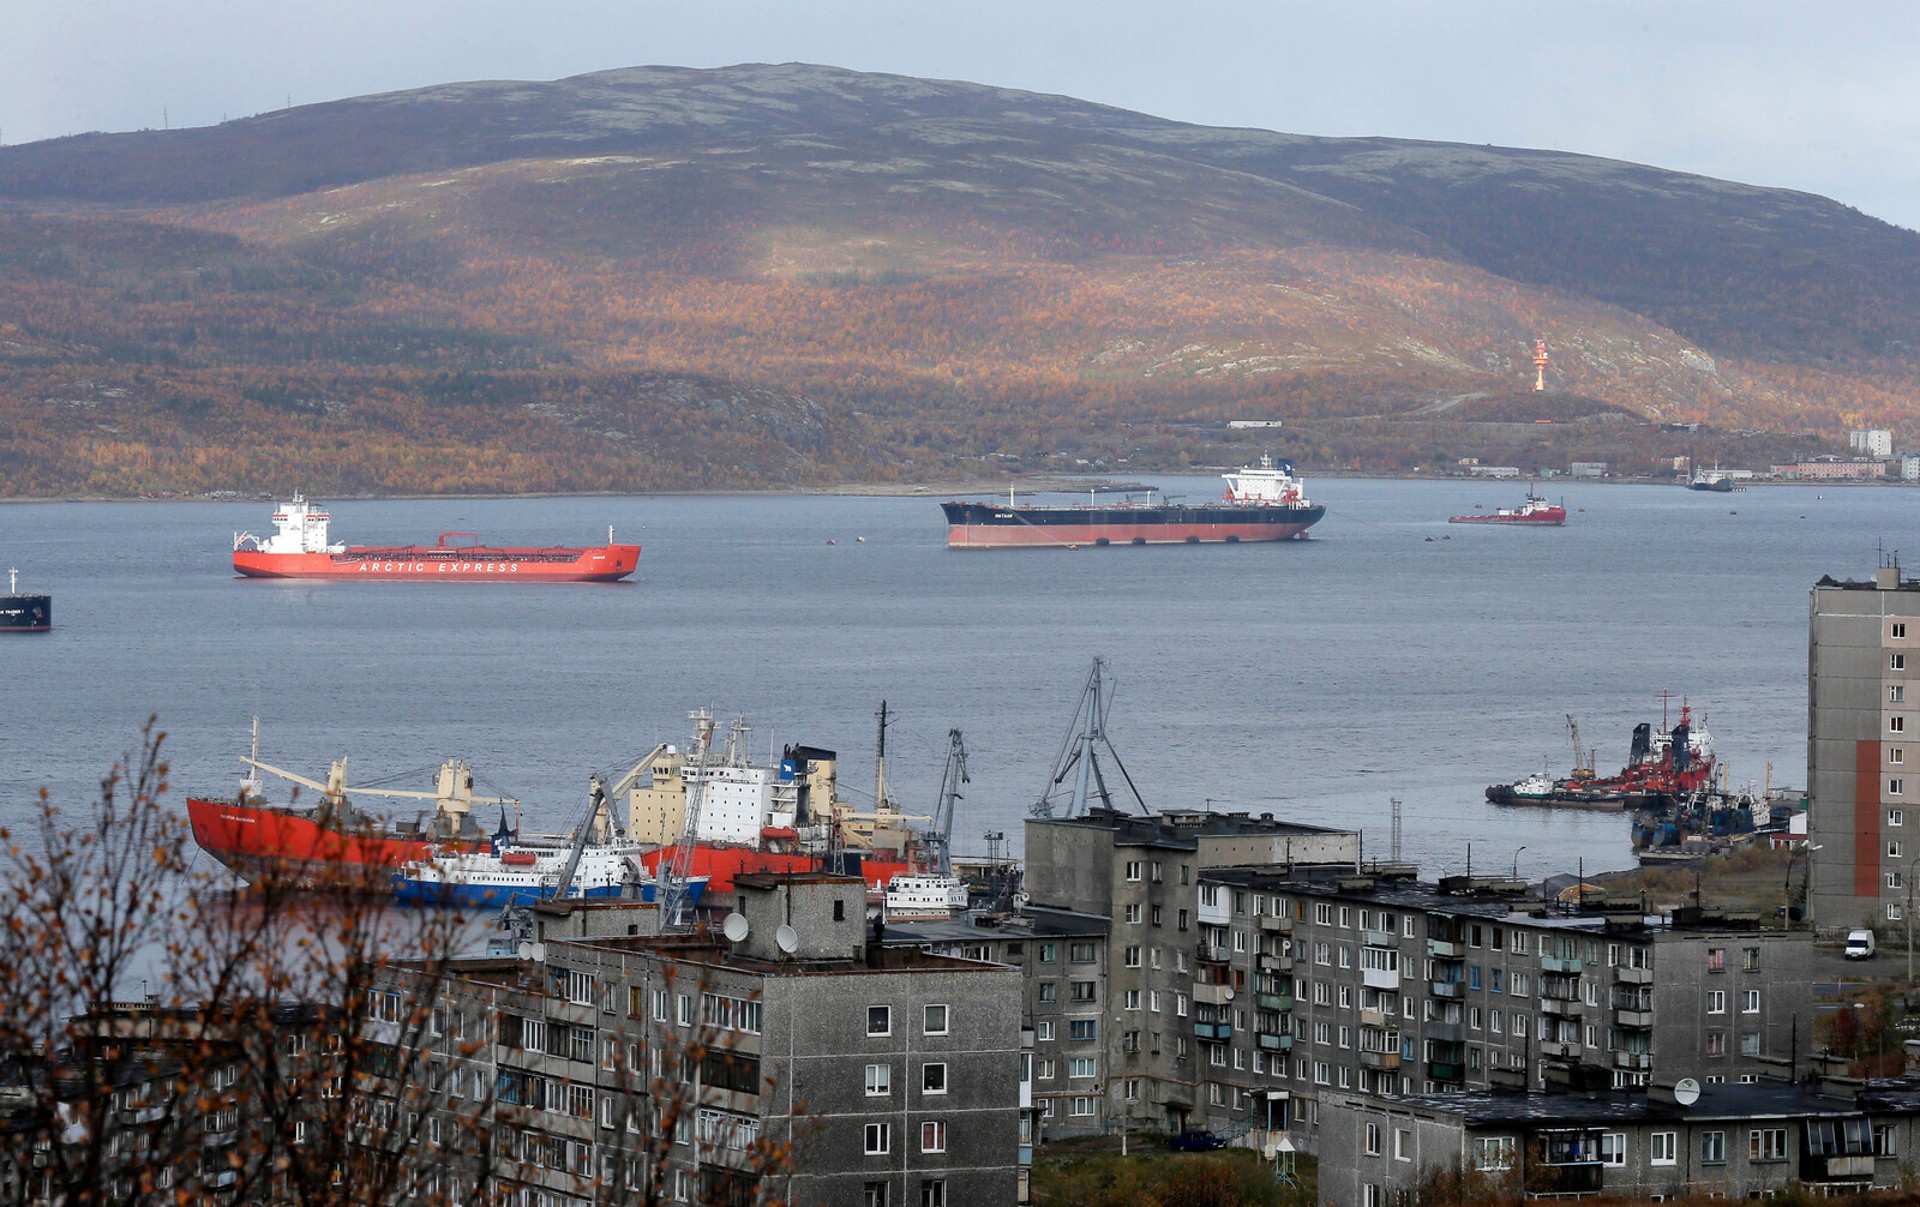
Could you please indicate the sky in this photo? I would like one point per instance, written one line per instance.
(1822, 97)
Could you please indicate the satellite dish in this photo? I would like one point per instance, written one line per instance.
(1686, 1091)
(1227, 993)
(735, 927)
(787, 939)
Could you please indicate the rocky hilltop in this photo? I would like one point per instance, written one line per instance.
(664, 278)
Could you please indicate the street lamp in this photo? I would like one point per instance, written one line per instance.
(1516, 863)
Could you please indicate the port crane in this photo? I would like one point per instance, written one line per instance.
(940, 829)
(1079, 754)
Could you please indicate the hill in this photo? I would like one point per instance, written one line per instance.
(663, 278)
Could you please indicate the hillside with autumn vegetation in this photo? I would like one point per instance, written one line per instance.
(792, 276)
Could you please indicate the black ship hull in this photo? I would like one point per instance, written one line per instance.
(999, 526)
(26, 613)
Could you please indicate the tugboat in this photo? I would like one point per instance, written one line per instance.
(1535, 512)
(24, 613)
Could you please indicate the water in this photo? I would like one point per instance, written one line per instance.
(1392, 656)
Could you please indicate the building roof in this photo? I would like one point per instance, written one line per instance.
(1488, 1109)
(1181, 829)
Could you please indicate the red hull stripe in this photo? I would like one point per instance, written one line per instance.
(1003, 536)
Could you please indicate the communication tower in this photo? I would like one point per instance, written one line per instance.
(1539, 366)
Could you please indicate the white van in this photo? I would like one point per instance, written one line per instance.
(1859, 945)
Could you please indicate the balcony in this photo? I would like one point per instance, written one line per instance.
(1218, 1033)
(1632, 976)
(1560, 1007)
(1378, 938)
(1373, 1018)
(1274, 925)
(1267, 963)
(1842, 1167)
(1211, 953)
(1448, 1033)
(1273, 1001)
(1446, 1070)
(1639, 1020)
(1270, 1042)
(1212, 995)
(1385, 1061)
(1559, 964)
(1444, 988)
(1445, 949)
(1639, 1061)
(1555, 1048)
(1380, 978)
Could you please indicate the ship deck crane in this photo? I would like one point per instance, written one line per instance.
(596, 801)
(1583, 758)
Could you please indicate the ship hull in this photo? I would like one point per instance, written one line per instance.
(718, 865)
(26, 613)
(991, 526)
(258, 841)
(1514, 521)
(481, 895)
(435, 563)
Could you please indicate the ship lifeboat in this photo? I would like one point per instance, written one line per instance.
(518, 859)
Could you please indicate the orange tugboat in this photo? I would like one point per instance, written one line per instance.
(300, 549)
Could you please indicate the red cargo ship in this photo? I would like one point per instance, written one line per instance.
(326, 842)
(300, 550)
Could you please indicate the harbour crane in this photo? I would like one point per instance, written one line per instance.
(940, 829)
(1080, 753)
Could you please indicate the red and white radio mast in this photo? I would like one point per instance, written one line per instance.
(1539, 366)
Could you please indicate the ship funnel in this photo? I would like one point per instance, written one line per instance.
(1642, 744)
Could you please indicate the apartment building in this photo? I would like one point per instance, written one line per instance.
(841, 1070)
(1863, 669)
(1718, 1141)
(1141, 873)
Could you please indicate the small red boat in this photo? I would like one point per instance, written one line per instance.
(1535, 511)
(300, 550)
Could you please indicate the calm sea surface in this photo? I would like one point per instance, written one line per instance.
(1392, 655)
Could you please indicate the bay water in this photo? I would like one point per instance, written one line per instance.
(1390, 656)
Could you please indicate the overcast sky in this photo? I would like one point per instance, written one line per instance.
(1823, 97)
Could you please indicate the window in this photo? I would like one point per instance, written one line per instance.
(1767, 1144)
(1492, 1153)
(1893, 849)
(1895, 787)
(1896, 662)
(935, 1021)
(1899, 629)
(1082, 1106)
(1896, 755)
(1716, 1043)
(874, 1194)
(1084, 1028)
(879, 1138)
(879, 1080)
(1043, 1031)
(1086, 1066)
(1131, 999)
(933, 1192)
(1133, 869)
(1750, 959)
(1049, 991)
(1080, 953)
(1661, 1149)
(1750, 1001)
(1749, 1043)
(1897, 694)
(1133, 914)
(1883, 1141)
(1893, 911)
(1402, 1144)
(1713, 1148)
(1613, 1148)
(933, 1078)
(1373, 1139)
(1716, 1001)
(1896, 725)
(879, 1020)
(1082, 992)
(933, 1136)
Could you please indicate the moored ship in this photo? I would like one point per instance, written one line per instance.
(24, 613)
(1535, 512)
(300, 549)
(1263, 502)
(327, 842)
(1664, 767)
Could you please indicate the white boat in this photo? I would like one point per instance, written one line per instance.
(514, 873)
(924, 895)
